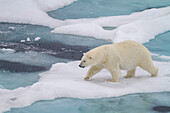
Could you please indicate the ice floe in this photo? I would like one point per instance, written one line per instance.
(28, 39)
(66, 80)
(31, 11)
(140, 26)
(22, 41)
(48, 5)
(7, 50)
(37, 38)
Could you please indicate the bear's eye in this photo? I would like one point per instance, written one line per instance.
(84, 61)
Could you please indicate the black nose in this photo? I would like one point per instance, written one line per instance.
(81, 66)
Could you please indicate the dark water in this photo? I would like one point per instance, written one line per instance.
(59, 46)
(33, 57)
(19, 67)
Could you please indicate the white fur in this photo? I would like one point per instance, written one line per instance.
(126, 55)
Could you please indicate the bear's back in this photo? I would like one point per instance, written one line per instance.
(131, 47)
(131, 51)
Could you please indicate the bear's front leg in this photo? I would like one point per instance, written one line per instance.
(93, 70)
(115, 75)
(115, 72)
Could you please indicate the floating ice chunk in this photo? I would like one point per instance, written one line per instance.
(7, 50)
(142, 30)
(161, 56)
(165, 57)
(37, 38)
(12, 28)
(85, 29)
(141, 26)
(4, 32)
(28, 39)
(116, 21)
(57, 83)
(22, 40)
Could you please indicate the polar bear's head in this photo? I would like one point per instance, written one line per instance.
(90, 58)
(86, 60)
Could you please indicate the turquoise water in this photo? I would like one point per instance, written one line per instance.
(160, 45)
(134, 103)
(14, 80)
(98, 8)
(38, 56)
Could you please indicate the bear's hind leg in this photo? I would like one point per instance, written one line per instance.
(156, 72)
(149, 67)
(130, 73)
(93, 70)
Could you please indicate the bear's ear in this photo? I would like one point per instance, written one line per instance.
(84, 53)
(89, 57)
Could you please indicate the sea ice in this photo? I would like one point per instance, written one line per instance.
(31, 11)
(22, 41)
(28, 39)
(7, 50)
(57, 82)
(141, 26)
(37, 38)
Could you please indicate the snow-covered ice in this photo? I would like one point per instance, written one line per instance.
(140, 26)
(85, 29)
(48, 5)
(31, 11)
(66, 80)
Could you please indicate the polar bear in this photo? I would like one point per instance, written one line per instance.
(125, 55)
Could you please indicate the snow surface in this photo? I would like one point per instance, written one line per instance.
(66, 80)
(31, 11)
(140, 26)
(48, 5)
